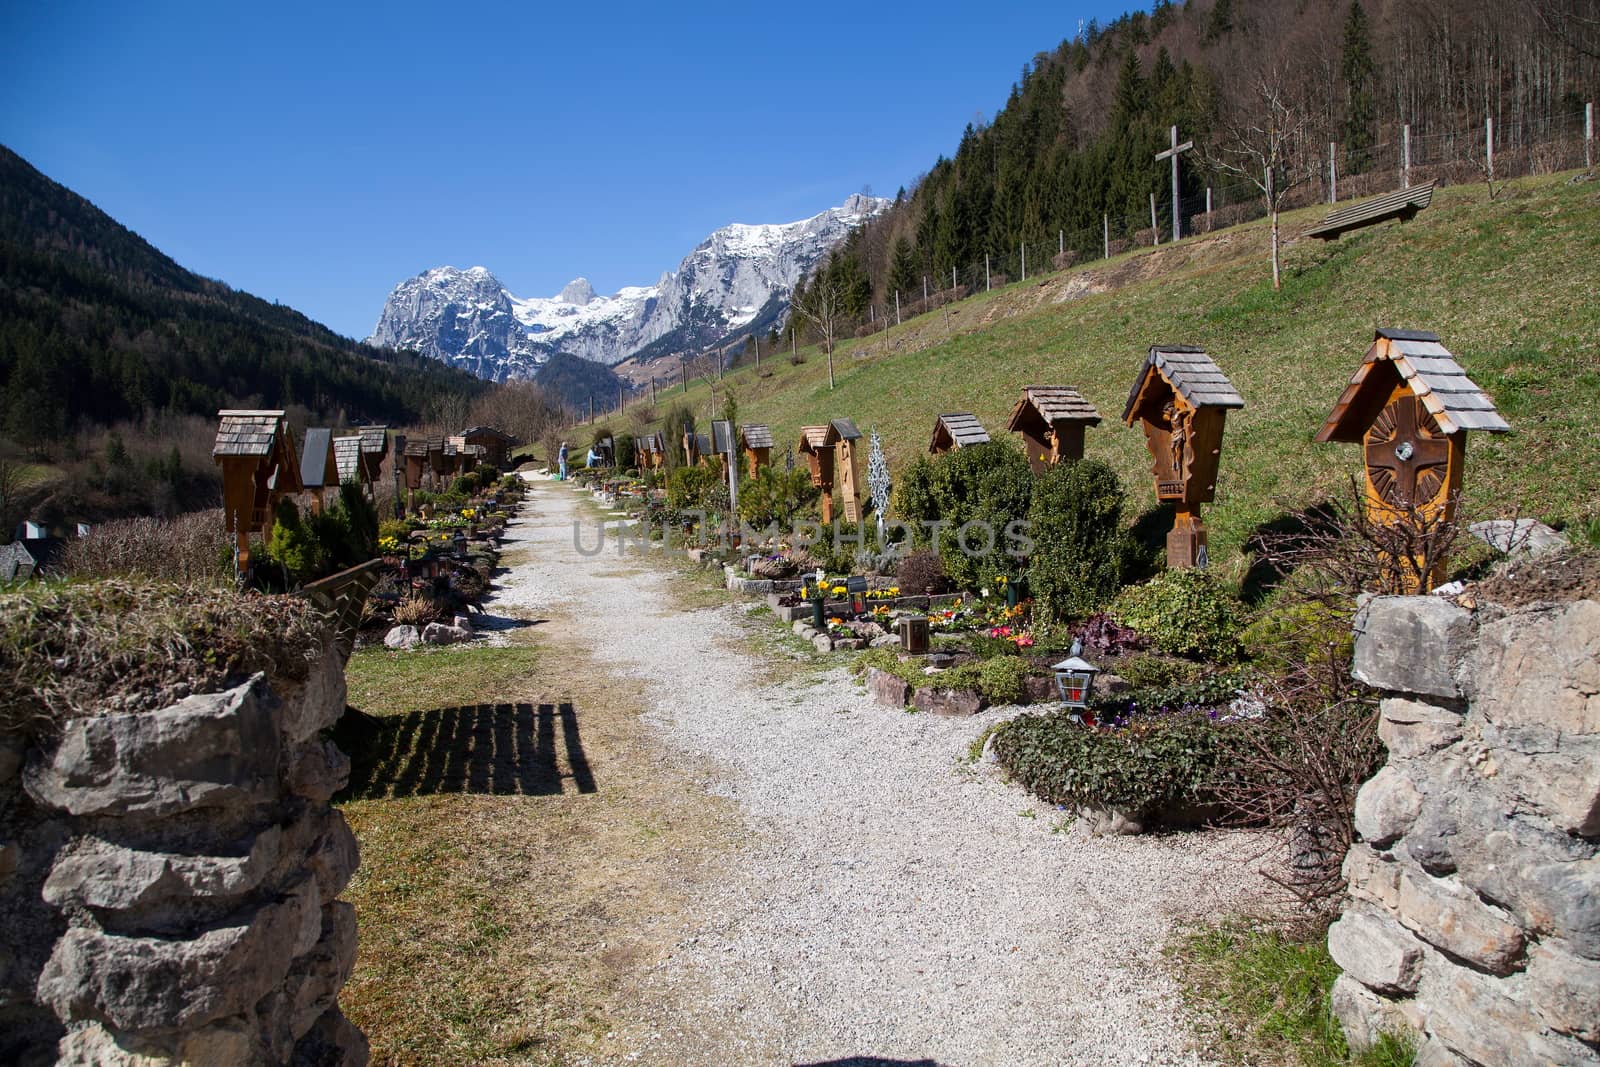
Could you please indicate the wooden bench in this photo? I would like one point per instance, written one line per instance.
(1402, 204)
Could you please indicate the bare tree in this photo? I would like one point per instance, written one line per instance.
(822, 307)
(14, 481)
(1269, 143)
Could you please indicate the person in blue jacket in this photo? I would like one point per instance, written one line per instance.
(561, 458)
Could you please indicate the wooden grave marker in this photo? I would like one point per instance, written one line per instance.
(347, 457)
(756, 441)
(843, 435)
(818, 450)
(955, 430)
(1182, 399)
(1052, 420)
(256, 452)
(1410, 405)
(319, 470)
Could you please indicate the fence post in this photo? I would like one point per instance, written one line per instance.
(1405, 156)
(1153, 227)
(924, 290)
(1061, 242)
(1024, 261)
(1488, 140)
(952, 283)
(1333, 173)
(986, 285)
(897, 307)
(1588, 134)
(1208, 205)
(1105, 232)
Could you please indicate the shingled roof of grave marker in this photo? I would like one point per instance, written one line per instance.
(702, 444)
(490, 431)
(959, 429)
(246, 433)
(1054, 403)
(347, 455)
(436, 442)
(721, 436)
(844, 430)
(1191, 373)
(417, 446)
(374, 439)
(756, 435)
(315, 457)
(813, 438)
(1430, 371)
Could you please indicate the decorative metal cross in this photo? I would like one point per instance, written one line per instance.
(1406, 453)
(788, 459)
(1172, 153)
(878, 483)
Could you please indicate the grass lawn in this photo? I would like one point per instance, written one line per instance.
(1509, 286)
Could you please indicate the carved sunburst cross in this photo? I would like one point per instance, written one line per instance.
(1407, 453)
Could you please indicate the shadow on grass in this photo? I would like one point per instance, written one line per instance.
(506, 749)
(1267, 544)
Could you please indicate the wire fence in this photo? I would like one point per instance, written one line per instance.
(1402, 157)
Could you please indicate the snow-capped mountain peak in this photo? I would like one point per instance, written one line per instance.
(739, 278)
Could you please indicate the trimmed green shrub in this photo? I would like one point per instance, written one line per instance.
(692, 487)
(1290, 634)
(465, 484)
(293, 545)
(1076, 524)
(1143, 767)
(1001, 678)
(988, 484)
(1185, 612)
(912, 501)
(775, 496)
(1147, 671)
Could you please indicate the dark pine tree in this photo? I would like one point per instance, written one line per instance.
(1361, 106)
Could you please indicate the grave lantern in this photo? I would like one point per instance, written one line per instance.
(1075, 679)
(1410, 405)
(856, 588)
(1181, 397)
(914, 634)
(1052, 420)
(956, 430)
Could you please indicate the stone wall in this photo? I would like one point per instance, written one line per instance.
(1474, 911)
(169, 884)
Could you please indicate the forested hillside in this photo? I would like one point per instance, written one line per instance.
(98, 327)
(1070, 159)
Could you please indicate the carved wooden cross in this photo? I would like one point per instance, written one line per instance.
(1404, 450)
(1172, 153)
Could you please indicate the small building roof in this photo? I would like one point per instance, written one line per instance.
(702, 444)
(1053, 403)
(1427, 368)
(417, 447)
(959, 429)
(1192, 375)
(247, 433)
(26, 557)
(316, 459)
(436, 443)
(756, 435)
(487, 431)
(347, 456)
(374, 439)
(813, 438)
(843, 430)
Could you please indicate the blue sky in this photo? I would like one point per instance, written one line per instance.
(316, 154)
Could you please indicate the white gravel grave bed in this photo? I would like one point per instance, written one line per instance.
(893, 900)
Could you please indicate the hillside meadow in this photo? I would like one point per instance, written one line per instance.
(1508, 284)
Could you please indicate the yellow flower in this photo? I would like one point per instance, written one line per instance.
(838, 590)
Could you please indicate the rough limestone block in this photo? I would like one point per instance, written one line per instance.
(800, 627)
(1475, 1018)
(948, 701)
(401, 638)
(1386, 806)
(1411, 728)
(316, 703)
(231, 1041)
(1412, 644)
(1437, 1054)
(156, 983)
(1549, 880)
(318, 770)
(1101, 821)
(334, 854)
(1562, 782)
(1037, 690)
(822, 643)
(1363, 1014)
(1541, 669)
(1566, 991)
(212, 750)
(316, 977)
(1518, 535)
(887, 689)
(101, 874)
(333, 1040)
(437, 633)
(1376, 951)
(1451, 917)
(1372, 878)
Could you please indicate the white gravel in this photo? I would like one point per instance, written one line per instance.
(893, 901)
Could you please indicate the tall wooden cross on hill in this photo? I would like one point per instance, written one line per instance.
(1172, 153)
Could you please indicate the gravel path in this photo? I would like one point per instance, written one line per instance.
(892, 900)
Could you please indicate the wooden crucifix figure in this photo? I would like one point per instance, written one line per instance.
(1172, 153)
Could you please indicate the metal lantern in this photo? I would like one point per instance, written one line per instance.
(914, 634)
(1074, 680)
(857, 590)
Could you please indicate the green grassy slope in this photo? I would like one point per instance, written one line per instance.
(1510, 287)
